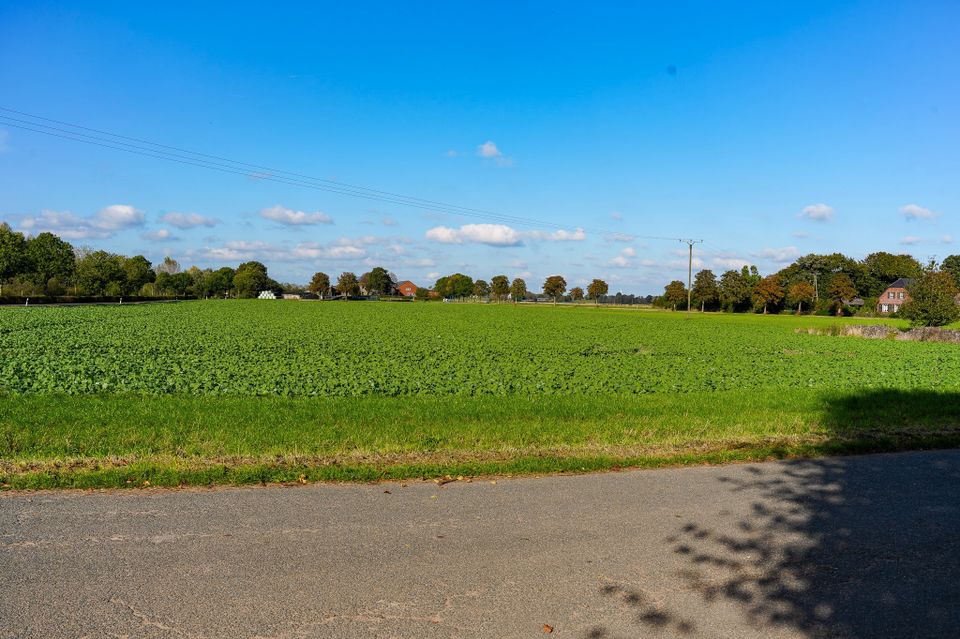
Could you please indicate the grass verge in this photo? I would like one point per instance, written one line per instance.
(130, 440)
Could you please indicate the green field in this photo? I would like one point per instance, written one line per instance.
(240, 391)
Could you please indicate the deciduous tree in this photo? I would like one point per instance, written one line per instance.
(500, 287)
(319, 283)
(675, 294)
(800, 293)
(768, 292)
(347, 284)
(554, 287)
(705, 291)
(518, 290)
(481, 288)
(576, 293)
(933, 300)
(597, 289)
(839, 289)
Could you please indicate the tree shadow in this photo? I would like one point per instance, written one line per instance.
(865, 546)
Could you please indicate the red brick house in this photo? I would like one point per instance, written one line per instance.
(895, 296)
(407, 288)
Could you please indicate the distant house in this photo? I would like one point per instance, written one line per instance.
(291, 296)
(407, 288)
(267, 295)
(894, 296)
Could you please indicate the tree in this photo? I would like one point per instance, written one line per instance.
(170, 266)
(518, 290)
(675, 294)
(500, 287)
(456, 285)
(137, 271)
(421, 293)
(481, 288)
(735, 290)
(319, 284)
(221, 281)
(49, 258)
(933, 300)
(882, 268)
(800, 293)
(768, 292)
(576, 293)
(378, 281)
(951, 265)
(96, 272)
(840, 289)
(347, 284)
(554, 287)
(705, 290)
(250, 279)
(13, 253)
(597, 289)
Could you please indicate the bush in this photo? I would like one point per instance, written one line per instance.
(933, 301)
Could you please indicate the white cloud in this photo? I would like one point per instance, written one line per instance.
(159, 235)
(819, 212)
(188, 220)
(452, 153)
(779, 255)
(735, 263)
(489, 150)
(910, 239)
(499, 235)
(946, 239)
(492, 234)
(917, 212)
(616, 215)
(101, 225)
(289, 217)
(620, 261)
(629, 252)
(561, 235)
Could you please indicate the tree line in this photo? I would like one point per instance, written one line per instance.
(46, 265)
(834, 284)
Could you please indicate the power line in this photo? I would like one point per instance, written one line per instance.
(155, 150)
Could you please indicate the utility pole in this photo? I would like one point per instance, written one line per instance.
(690, 244)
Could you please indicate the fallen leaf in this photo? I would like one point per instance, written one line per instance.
(387, 492)
(302, 479)
(547, 628)
(146, 482)
(433, 496)
(493, 481)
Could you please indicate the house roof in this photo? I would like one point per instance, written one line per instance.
(405, 283)
(903, 282)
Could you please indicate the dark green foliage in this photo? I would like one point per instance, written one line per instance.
(378, 281)
(50, 257)
(500, 286)
(250, 279)
(675, 295)
(735, 291)
(456, 285)
(933, 300)
(706, 291)
(951, 265)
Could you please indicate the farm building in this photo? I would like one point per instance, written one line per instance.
(894, 296)
(407, 288)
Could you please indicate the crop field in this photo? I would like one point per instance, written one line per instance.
(237, 391)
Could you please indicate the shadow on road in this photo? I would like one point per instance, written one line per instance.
(840, 547)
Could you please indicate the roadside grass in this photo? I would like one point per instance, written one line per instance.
(102, 441)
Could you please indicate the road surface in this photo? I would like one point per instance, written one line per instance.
(859, 546)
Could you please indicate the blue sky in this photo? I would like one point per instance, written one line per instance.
(770, 130)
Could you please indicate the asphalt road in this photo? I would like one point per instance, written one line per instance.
(861, 546)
